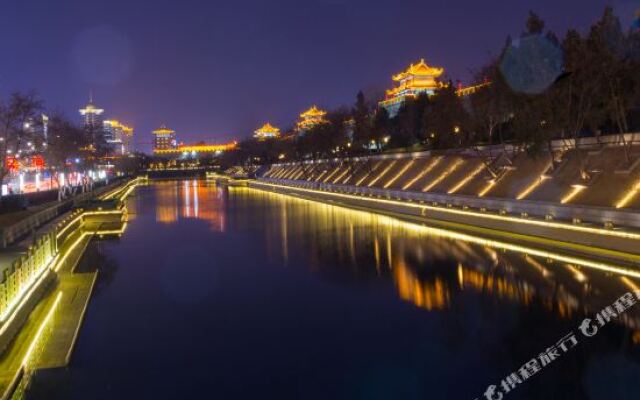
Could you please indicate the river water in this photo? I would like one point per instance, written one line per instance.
(235, 293)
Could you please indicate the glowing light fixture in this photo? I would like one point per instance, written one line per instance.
(374, 169)
(487, 188)
(321, 175)
(629, 196)
(466, 180)
(423, 173)
(341, 175)
(382, 174)
(399, 174)
(534, 185)
(335, 171)
(443, 175)
(575, 190)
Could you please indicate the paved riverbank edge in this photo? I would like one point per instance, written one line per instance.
(597, 244)
(66, 295)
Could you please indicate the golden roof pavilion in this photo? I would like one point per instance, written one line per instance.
(267, 131)
(311, 118)
(417, 79)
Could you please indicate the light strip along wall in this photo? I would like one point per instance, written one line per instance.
(375, 167)
(321, 175)
(534, 185)
(342, 174)
(425, 171)
(575, 190)
(467, 179)
(335, 171)
(443, 175)
(629, 196)
(490, 242)
(383, 173)
(400, 173)
(497, 217)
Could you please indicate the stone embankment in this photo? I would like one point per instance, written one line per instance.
(585, 200)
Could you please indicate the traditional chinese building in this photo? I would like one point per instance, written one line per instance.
(196, 149)
(164, 139)
(311, 118)
(267, 131)
(417, 79)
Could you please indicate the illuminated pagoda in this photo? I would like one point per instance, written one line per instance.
(311, 118)
(267, 131)
(164, 139)
(417, 79)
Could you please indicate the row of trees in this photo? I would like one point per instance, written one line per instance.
(540, 88)
(66, 146)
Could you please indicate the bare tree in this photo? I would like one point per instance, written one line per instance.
(16, 114)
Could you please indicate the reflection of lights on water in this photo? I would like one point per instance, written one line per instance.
(189, 199)
(629, 283)
(580, 277)
(396, 223)
(430, 296)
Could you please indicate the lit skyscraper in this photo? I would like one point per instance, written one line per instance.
(118, 136)
(92, 115)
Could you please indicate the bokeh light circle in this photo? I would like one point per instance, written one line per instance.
(531, 64)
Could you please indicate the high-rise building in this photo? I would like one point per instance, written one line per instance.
(93, 124)
(164, 138)
(417, 79)
(127, 140)
(311, 118)
(267, 131)
(92, 116)
(118, 136)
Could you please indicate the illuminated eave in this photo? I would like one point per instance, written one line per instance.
(198, 148)
(163, 131)
(419, 69)
(267, 130)
(313, 112)
(466, 91)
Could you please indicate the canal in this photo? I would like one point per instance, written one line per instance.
(235, 293)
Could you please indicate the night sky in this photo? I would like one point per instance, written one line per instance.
(216, 70)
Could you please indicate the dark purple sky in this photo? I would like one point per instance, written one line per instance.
(215, 70)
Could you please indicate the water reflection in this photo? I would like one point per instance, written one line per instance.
(431, 268)
(303, 300)
(192, 199)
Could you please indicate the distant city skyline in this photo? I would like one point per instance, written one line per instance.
(212, 77)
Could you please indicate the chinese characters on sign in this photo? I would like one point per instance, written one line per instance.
(588, 328)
